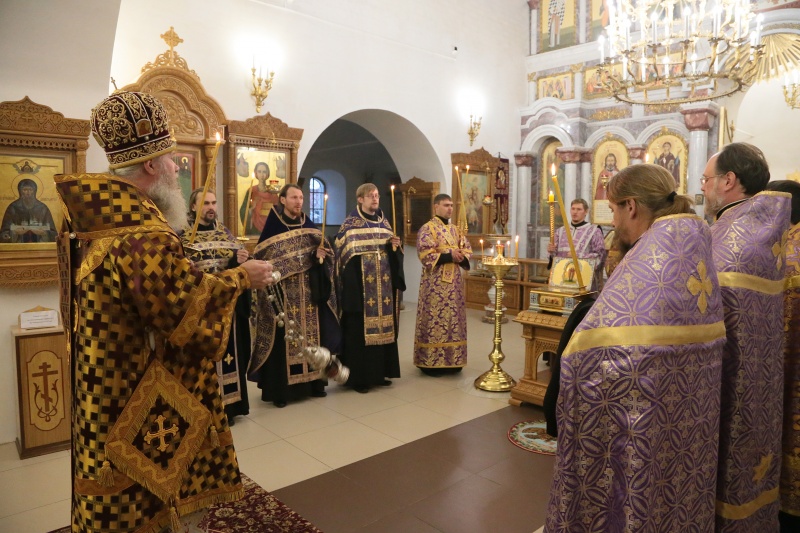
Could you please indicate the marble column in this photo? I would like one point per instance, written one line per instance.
(699, 121)
(522, 198)
(571, 157)
(533, 5)
(636, 154)
(585, 189)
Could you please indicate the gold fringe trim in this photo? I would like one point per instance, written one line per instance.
(212, 433)
(105, 477)
(739, 512)
(441, 345)
(174, 521)
(737, 280)
(207, 498)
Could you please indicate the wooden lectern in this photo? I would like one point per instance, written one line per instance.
(43, 390)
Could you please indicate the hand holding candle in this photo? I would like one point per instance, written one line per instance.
(569, 233)
(394, 220)
(324, 216)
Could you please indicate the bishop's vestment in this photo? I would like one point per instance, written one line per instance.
(150, 439)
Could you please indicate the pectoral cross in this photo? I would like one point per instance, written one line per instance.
(160, 434)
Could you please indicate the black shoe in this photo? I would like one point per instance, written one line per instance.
(231, 421)
(385, 383)
(432, 372)
(319, 394)
(280, 404)
(361, 390)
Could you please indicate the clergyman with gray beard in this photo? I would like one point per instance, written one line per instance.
(145, 329)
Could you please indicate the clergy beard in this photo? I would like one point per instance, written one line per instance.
(170, 201)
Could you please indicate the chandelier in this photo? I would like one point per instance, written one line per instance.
(666, 52)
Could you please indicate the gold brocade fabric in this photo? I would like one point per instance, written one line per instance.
(291, 253)
(440, 339)
(136, 299)
(790, 467)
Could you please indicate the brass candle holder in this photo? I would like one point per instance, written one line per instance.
(496, 379)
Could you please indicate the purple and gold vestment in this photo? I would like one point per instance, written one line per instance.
(790, 469)
(150, 439)
(440, 339)
(749, 259)
(638, 410)
(589, 244)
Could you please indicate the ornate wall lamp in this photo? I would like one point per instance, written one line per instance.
(474, 129)
(261, 87)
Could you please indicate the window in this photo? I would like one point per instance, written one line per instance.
(316, 199)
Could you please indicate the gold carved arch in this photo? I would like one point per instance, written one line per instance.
(193, 114)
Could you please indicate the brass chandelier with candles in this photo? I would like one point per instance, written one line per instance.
(666, 52)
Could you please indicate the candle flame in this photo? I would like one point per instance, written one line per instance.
(553, 169)
(480, 240)
(392, 187)
(516, 239)
(467, 168)
(218, 137)
(326, 196)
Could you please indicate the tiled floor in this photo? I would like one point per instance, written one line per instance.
(381, 461)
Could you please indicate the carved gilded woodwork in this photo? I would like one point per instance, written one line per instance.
(34, 137)
(259, 138)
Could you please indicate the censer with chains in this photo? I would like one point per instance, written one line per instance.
(318, 357)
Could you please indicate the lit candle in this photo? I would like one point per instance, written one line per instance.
(550, 197)
(553, 170)
(647, 157)
(394, 220)
(516, 247)
(324, 216)
(569, 234)
(481, 241)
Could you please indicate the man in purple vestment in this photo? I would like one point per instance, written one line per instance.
(638, 409)
(748, 256)
(587, 238)
(440, 341)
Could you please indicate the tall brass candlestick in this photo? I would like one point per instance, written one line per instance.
(569, 233)
(324, 216)
(212, 168)
(551, 200)
(394, 220)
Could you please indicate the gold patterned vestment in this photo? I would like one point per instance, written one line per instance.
(440, 339)
(150, 439)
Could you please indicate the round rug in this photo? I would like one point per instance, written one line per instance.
(532, 436)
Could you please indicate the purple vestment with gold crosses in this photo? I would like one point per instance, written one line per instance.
(638, 410)
(749, 258)
(440, 340)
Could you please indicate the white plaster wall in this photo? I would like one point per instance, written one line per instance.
(332, 58)
(58, 54)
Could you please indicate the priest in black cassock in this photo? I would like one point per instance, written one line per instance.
(369, 267)
(214, 249)
(306, 296)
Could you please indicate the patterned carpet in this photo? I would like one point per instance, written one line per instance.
(258, 512)
(531, 436)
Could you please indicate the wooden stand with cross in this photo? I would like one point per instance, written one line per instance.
(43, 390)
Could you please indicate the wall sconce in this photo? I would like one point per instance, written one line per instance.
(474, 129)
(791, 90)
(261, 87)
